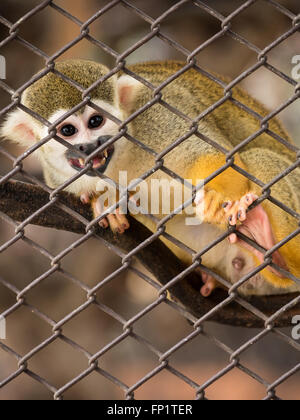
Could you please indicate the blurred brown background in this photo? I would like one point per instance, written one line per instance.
(127, 294)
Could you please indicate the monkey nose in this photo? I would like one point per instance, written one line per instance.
(89, 148)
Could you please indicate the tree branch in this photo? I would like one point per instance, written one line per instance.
(19, 201)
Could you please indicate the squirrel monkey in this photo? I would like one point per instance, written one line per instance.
(225, 199)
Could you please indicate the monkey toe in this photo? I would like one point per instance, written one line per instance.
(210, 284)
(122, 220)
(104, 223)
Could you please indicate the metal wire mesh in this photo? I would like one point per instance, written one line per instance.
(93, 360)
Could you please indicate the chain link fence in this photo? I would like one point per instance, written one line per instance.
(34, 203)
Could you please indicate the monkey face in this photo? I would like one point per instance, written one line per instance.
(86, 131)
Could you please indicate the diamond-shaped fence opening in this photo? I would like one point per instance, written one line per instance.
(91, 315)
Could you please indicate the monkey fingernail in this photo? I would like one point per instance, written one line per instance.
(231, 220)
(242, 215)
(227, 206)
(232, 238)
(250, 198)
(205, 291)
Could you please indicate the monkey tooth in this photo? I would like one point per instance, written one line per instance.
(98, 162)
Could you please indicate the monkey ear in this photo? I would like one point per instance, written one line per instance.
(20, 128)
(128, 88)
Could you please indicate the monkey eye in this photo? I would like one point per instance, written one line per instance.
(96, 121)
(68, 130)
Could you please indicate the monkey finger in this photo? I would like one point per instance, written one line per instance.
(98, 211)
(248, 199)
(242, 214)
(233, 238)
(115, 224)
(209, 286)
(199, 197)
(227, 206)
(104, 223)
(233, 219)
(122, 219)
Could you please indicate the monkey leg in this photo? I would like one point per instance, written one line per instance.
(256, 225)
(117, 222)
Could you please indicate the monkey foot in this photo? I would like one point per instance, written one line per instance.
(117, 222)
(210, 284)
(256, 225)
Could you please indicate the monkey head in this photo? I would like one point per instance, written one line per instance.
(52, 97)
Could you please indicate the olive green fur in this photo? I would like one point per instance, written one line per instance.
(51, 93)
(234, 123)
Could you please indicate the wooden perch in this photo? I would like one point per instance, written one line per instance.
(19, 201)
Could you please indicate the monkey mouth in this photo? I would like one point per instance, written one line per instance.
(100, 161)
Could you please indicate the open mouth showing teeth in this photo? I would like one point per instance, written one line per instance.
(100, 161)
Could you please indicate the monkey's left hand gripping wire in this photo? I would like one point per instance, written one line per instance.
(19, 201)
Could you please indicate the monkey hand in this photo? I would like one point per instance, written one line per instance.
(117, 222)
(210, 207)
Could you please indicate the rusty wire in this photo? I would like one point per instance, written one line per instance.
(163, 363)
